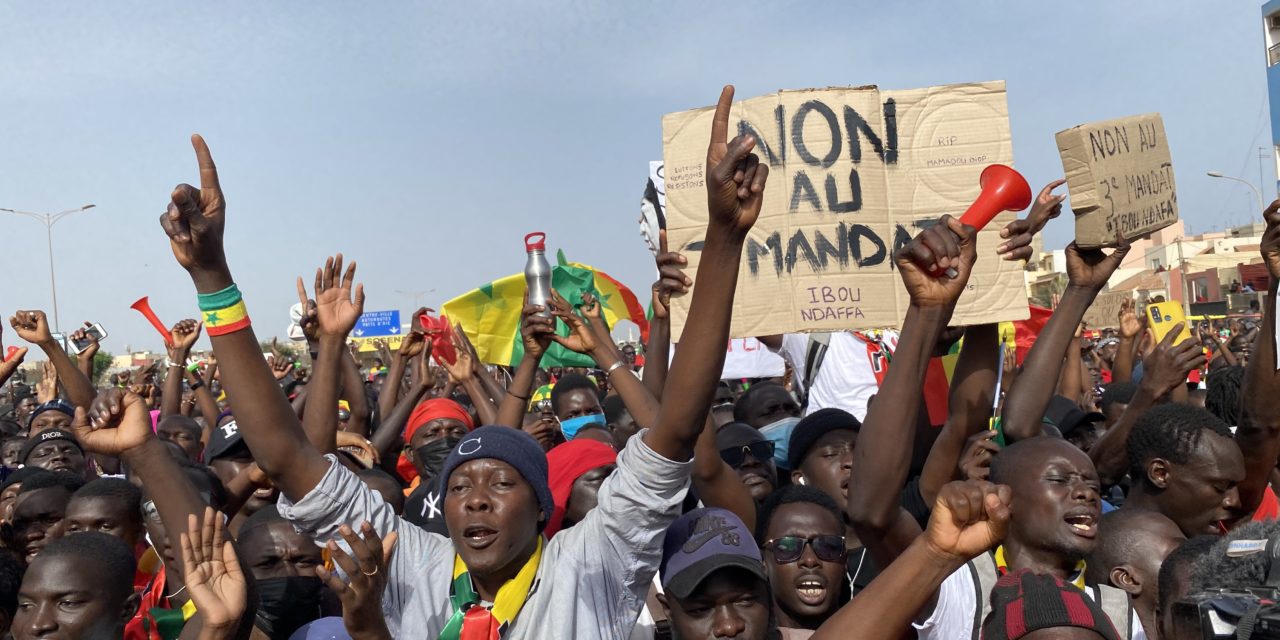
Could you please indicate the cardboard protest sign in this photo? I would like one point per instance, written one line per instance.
(855, 173)
(1120, 178)
(1105, 310)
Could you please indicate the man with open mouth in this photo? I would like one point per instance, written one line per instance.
(802, 534)
(494, 576)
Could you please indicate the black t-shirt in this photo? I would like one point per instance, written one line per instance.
(424, 507)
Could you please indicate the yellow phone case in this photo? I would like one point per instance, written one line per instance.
(1162, 316)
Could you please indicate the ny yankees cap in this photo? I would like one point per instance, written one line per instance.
(701, 542)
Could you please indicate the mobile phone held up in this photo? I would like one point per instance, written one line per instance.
(1164, 316)
(92, 332)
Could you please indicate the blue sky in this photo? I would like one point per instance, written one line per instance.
(425, 139)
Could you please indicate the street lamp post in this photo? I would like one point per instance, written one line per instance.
(50, 219)
(1256, 193)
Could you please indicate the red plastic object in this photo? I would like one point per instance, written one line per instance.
(10, 353)
(143, 306)
(1003, 189)
(540, 245)
(439, 332)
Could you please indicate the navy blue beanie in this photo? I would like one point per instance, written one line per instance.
(513, 447)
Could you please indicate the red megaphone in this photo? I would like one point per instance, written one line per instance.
(439, 332)
(143, 306)
(1003, 189)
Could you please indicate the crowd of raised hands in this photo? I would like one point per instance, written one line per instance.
(434, 495)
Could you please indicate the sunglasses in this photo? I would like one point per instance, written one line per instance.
(788, 549)
(735, 456)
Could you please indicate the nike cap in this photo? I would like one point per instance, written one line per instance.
(702, 542)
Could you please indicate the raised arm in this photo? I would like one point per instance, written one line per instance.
(1070, 382)
(1130, 329)
(1259, 430)
(183, 336)
(1164, 370)
(735, 191)
(119, 425)
(84, 359)
(463, 371)
(33, 327)
(410, 348)
(1087, 272)
(353, 392)
(339, 303)
(671, 281)
(716, 483)
(194, 222)
(973, 390)
(9, 364)
(217, 585)
(882, 459)
(586, 337)
(535, 337)
(968, 519)
(389, 434)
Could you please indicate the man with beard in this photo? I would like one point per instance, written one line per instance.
(435, 427)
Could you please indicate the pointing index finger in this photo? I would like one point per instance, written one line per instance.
(720, 124)
(208, 171)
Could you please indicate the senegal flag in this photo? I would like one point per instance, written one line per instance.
(490, 315)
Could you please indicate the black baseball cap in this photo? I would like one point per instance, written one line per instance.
(225, 441)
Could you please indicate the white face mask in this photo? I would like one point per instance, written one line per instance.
(779, 433)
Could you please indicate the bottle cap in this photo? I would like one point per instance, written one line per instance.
(540, 244)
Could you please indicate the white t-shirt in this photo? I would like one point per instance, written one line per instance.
(845, 380)
(952, 618)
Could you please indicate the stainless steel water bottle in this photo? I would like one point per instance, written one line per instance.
(537, 271)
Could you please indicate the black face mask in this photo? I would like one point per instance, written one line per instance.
(430, 457)
(285, 604)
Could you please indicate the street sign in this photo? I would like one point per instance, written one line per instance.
(377, 324)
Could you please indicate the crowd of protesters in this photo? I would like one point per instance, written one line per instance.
(1098, 489)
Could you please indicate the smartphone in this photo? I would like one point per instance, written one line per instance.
(96, 331)
(1163, 317)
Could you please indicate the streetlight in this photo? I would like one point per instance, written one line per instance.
(1256, 193)
(50, 219)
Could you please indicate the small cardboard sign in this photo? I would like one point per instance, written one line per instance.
(855, 173)
(1120, 178)
(1105, 310)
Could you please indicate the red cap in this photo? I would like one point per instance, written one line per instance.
(540, 245)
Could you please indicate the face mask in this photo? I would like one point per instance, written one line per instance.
(572, 426)
(430, 457)
(779, 433)
(285, 604)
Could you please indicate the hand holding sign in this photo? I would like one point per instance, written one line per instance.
(1091, 268)
(948, 245)
(735, 176)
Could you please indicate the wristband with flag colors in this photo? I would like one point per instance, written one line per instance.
(223, 311)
